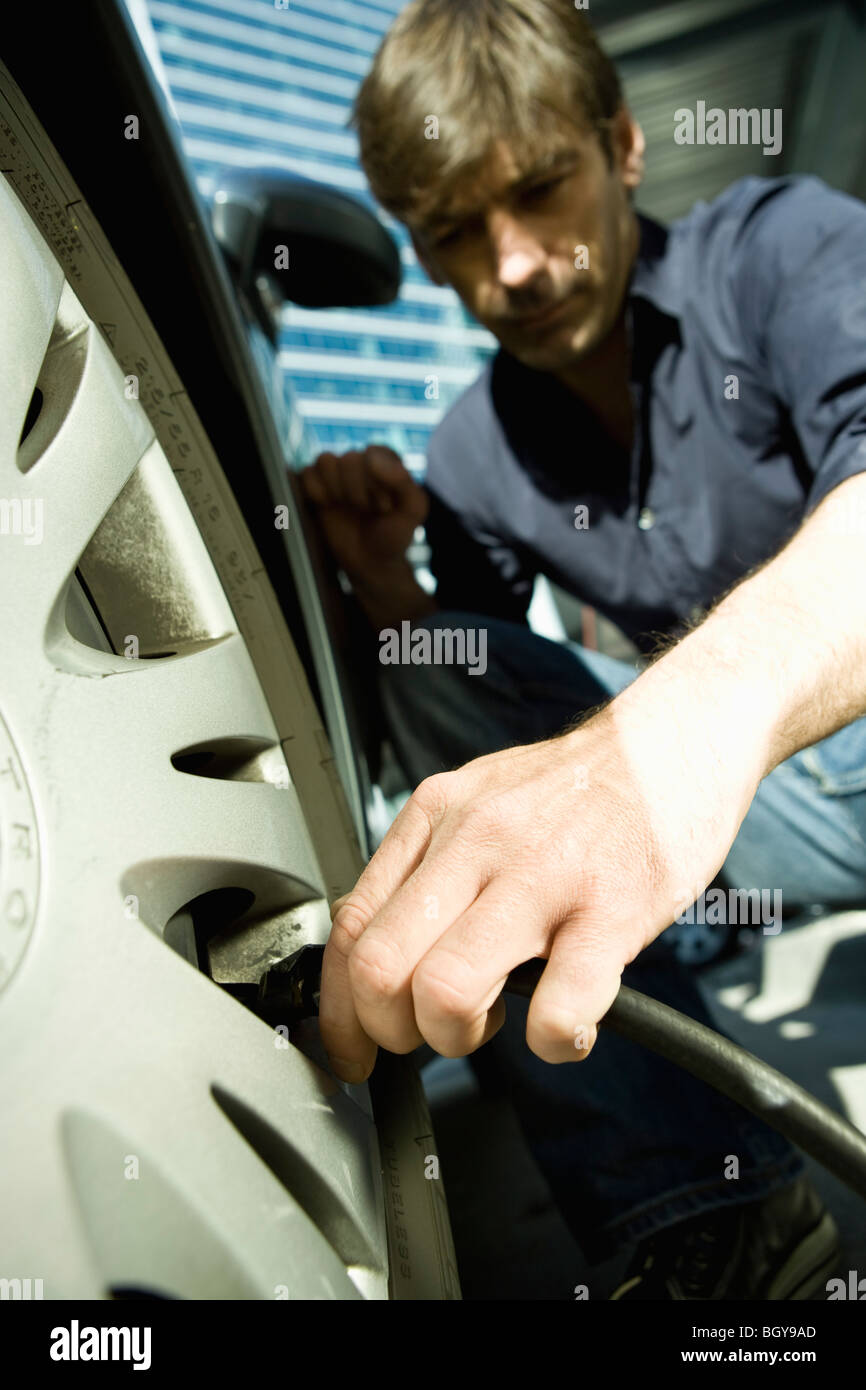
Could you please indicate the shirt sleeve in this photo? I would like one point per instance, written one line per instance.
(477, 570)
(801, 289)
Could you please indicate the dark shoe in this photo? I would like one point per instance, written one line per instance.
(782, 1247)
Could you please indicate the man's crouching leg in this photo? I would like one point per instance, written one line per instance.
(456, 686)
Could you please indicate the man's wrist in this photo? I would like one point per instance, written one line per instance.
(392, 594)
(717, 696)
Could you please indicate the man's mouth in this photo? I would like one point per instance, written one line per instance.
(551, 314)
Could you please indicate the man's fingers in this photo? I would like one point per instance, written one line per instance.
(372, 480)
(395, 859)
(576, 989)
(456, 986)
(382, 499)
(388, 469)
(357, 482)
(351, 1051)
(402, 849)
(387, 466)
(398, 940)
(331, 472)
(313, 486)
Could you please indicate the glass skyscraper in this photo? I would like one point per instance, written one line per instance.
(253, 83)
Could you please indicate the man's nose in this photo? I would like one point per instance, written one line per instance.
(519, 254)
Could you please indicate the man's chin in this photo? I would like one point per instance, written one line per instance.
(555, 351)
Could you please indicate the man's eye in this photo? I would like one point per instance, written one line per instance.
(540, 190)
(462, 231)
(446, 238)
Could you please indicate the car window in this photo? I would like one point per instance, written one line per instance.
(274, 86)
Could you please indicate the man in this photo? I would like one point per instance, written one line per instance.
(674, 429)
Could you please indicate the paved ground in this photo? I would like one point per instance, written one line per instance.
(798, 1000)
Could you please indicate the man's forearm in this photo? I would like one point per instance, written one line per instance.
(780, 662)
(391, 595)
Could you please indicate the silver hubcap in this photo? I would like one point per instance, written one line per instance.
(157, 1135)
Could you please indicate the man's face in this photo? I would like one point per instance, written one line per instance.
(541, 255)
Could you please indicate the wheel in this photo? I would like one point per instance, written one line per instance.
(171, 823)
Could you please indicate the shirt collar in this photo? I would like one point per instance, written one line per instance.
(654, 303)
(656, 275)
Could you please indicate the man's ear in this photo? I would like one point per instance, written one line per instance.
(424, 259)
(629, 146)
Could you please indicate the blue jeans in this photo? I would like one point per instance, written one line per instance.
(628, 1142)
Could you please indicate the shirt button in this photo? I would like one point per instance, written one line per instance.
(646, 519)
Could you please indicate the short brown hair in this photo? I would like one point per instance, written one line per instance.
(486, 69)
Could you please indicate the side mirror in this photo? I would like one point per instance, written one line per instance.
(337, 251)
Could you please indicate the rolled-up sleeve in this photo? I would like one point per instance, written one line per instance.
(800, 284)
(477, 569)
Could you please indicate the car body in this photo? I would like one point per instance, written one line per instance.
(185, 787)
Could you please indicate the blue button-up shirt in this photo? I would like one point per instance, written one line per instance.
(747, 324)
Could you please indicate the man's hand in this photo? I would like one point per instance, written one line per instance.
(369, 506)
(580, 849)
